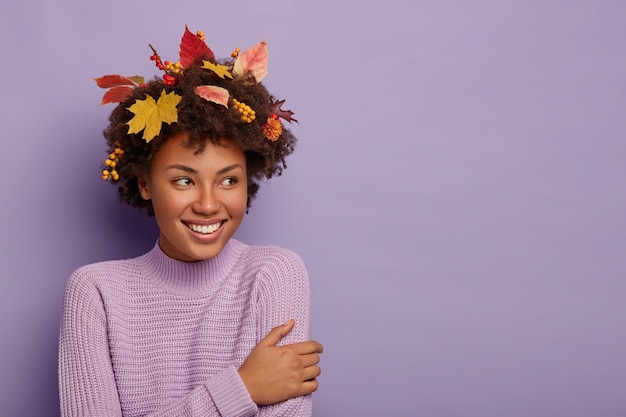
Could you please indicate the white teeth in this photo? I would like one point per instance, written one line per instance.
(204, 229)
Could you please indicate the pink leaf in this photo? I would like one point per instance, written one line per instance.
(253, 60)
(213, 93)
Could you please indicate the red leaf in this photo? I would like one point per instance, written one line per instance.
(285, 114)
(108, 81)
(193, 48)
(116, 94)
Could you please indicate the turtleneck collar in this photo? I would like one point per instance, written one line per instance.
(190, 277)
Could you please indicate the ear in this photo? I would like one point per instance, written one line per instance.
(144, 188)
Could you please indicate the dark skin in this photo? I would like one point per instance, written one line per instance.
(204, 122)
(277, 373)
(271, 373)
(185, 187)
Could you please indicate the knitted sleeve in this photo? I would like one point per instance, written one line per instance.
(283, 294)
(86, 379)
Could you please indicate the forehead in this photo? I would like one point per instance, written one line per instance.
(178, 149)
(179, 145)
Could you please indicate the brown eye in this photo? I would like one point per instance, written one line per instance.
(183, 182)
(229, 181)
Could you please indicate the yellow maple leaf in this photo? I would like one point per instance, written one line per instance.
(151, 114)
(219, 69)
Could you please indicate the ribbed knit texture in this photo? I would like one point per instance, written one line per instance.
(152, 336)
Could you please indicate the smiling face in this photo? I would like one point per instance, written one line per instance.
(199, 199)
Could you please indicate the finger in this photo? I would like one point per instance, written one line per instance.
(311, 372)
(310, 346)
(277, 333)
(310, 359)
(309, 386)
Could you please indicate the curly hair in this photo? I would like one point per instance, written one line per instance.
(203, 121)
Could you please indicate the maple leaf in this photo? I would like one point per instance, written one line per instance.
(253, 60)
(213, 93)
(116, 94)
(119, 87)
(192, 48)
(220, 70)
(275, 108)
(114, 80)
(151, 114)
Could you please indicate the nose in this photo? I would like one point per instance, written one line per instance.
(206, 201)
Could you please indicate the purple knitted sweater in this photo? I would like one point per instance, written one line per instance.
(153, 336)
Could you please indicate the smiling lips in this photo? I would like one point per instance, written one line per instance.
(205, 229)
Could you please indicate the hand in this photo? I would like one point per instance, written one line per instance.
(276, 373)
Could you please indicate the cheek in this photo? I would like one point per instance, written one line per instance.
(166, 202)
(238, 202)
(162, 210)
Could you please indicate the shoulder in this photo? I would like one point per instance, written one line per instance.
(274, 269)
(270, 259)
(93, 278)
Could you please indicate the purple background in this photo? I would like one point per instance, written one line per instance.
(458, 192)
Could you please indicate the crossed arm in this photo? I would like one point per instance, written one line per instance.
(277, 375)
(274, 373)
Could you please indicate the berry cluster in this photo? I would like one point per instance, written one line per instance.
(235, 53)
(157, 59)
(111, 162)
(168, 67)
(273, 128)
(247, 114)
(175, 67)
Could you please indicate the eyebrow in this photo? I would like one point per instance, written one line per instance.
(229, 168)
(190, 170)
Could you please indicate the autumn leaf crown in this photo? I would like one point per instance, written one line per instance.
(150, 113)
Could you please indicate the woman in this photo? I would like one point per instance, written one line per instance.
(202, 325)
